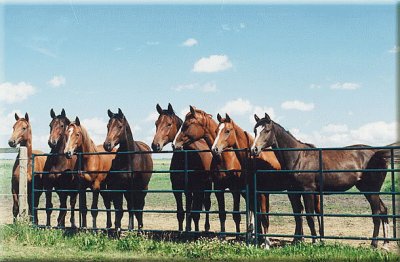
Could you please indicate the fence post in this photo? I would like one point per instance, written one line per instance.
(321, 195)
(23, 184)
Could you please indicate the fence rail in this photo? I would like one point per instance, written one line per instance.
(249, 193)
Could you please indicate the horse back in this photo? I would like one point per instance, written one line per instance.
(143, 162)
(270, 158)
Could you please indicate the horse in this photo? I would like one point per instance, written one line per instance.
(138, 167)
(22, 135)
(94, 169)
(200, 125)
(58, 167)
(167, 126)
(271, 134)
(230, 135)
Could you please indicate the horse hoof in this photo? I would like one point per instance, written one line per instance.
(250, 228)
(265, 246)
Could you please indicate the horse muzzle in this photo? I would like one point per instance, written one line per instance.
(52, 143)
(68, 154)
(108, 146)
(12, 143)
(216, 151)
(255, 151)
(156, 147)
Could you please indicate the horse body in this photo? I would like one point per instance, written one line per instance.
(58, 165)
(167, 126)
(349, 158)
(22, 135)
(95, 169)
(119, 132)
(199, 125)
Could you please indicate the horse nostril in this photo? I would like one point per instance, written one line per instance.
(11, 143)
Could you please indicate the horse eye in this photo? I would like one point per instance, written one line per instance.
(62, 126)
(119, 127)
(169, 124)
(227, 131)
(24, 128)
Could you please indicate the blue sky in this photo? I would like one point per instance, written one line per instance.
(327, 73)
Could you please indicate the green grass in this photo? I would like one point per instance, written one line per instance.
(23, 242)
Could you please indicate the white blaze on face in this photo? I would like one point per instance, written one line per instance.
(258, 131)
(221, 127)
(70, 132)
(177, 134)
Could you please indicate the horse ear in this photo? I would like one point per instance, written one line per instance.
(16, 117)
(170, 109)
(159, 109)
(110, 114)
(52, 114)
(227, 118)
(26, 117)
(267, 117)
(63, 112)
(256, 117)
(192, 110)
(219, 118)
(77, 122)
(120, 112)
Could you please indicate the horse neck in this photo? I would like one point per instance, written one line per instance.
(243, 140)
(285, 140)
(209, 131)
(88, 146)
(28, 145)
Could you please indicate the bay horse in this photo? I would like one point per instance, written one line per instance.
(58, 167)
(167, 126)
(94, 169)
(230, 135)
(200, 125)
(138, 167)
(271, 134)
(22, 135)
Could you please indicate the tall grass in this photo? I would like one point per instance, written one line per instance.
(23, 242)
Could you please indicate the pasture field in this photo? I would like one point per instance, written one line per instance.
(20, 240)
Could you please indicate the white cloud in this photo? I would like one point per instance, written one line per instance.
(335, 128)
(394, 49)
(190, 42)
(95, 125)
(260, 111)
(152, 117)
(211, 64)
(57, 81)
(315, 86)
(208, 87)
(379, 133)
(345, 86)
(242, 25)
(236, 107)
(297, 105)
(12, 93)
(8, 121)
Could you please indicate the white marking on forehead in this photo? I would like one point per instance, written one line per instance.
(70, 131)
(177, 134)
(220, 128)
(258, 132)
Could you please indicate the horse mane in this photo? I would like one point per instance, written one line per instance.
(86, 137)
(306, 144)
(201, 112)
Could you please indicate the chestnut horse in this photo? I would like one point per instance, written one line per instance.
(230, 135)
(200, 125)
(22, 135)
(94, 169)
(58, 167)
(271, 134)
(167, 126)
(138, 167)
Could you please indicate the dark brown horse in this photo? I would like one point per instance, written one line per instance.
(200, 125)
(270, 134)
(230, 135)
(22, 135)
(167, 126)
(94, 169)
(138, 167)
(58, 167)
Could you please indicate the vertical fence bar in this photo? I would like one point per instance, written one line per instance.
(246, 173)
(393, 191)
(33, 190)
(321, 194)
(186, 191)
(80, 188)
(255, 206)
(22, 194)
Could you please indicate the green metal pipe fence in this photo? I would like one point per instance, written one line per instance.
(249, 189)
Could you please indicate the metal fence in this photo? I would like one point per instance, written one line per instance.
(253, 236)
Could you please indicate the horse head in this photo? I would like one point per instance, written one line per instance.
(167, 126)
(21, 131)
(226, 135)
(264, 134)
(58, 127)
(115, 130)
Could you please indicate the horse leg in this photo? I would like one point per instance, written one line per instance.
(236, 208)
(375, 203)
(179, 209)
(309, 207)
(129, 203)
(264, 207)
(107, 204)
(221, 207)
(189, 201)
(62, 213)
(197, 206)
(138, 204)
(297, 207)
(94, 208)
(35, 203)
(117, 200)
(385, 223)
(49, 204)
(72, 202)
(207, 206)
(83, 206)
(317, 209)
